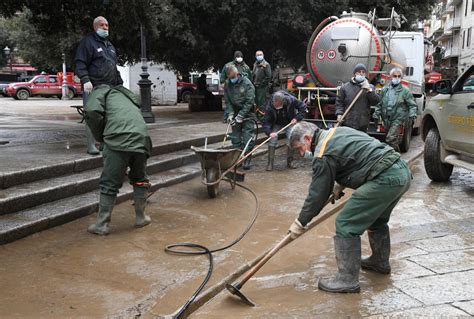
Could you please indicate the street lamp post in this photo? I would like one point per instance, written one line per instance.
(64, 88)
(7, 52)
(145, 83)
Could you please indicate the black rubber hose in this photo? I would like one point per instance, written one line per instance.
(202, 250)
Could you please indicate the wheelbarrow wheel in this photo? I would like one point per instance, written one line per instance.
(211, 176)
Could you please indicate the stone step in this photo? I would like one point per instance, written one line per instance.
(25, 222)
(36, 193)
(67, 167)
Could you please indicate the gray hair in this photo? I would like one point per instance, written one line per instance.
(299, 131)
(232, 68)
(97, 20)
(396, 69)
(279, 96)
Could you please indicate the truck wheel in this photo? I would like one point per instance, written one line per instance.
(22, 94)
(185, 96)
(435, 169)
(405, 144)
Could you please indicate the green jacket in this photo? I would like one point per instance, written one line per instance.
(262, 74)
(240, 97)
(114, 117)
(347, 156)
(396, 105)
(243, 68)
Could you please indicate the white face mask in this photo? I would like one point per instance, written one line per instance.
(308, 155)
(239, 59)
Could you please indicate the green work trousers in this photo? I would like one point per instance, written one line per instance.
(261, 101)
(115, 167)
(393, 137)
(242, 133)
(372, 203)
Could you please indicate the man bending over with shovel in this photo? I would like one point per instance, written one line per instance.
(343, 157)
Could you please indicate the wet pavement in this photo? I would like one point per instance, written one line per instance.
(432, 265)
(66, 272)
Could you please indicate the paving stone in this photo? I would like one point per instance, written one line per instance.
(467, 306)
(444, 262)
(445, 243)
(440, 312)
(382, 300)
(439, 289)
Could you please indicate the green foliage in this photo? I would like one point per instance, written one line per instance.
(185, 34)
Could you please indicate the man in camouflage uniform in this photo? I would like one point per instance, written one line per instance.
(239, 96)
(262, 76)
(397, 105)
(242, 68)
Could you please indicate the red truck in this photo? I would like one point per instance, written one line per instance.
(43, 85)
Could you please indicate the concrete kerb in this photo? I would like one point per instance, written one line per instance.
(213, 291)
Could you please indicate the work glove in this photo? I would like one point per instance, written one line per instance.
(366, 85)
(296, 229)
(88, 87)
(239, 118)
(339, 118)
(337, 192)
(230, 118)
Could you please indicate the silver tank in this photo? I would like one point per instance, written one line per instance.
(338, 47)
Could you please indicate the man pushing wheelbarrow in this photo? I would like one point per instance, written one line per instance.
(239, 95)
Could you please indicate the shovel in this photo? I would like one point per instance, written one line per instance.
(236, 287)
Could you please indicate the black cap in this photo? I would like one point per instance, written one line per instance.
(238, 54)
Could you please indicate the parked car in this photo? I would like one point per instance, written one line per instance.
(448, 127)
(185, 90)
(41, 85)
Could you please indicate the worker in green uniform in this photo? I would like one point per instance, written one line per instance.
(239, 96)
(243, 69)
(262, 77)
(113, 115)
(396, 107)
(344, 157)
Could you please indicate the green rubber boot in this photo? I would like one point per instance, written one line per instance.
(101, 226)
(380, 244)
(91, 148)
(290, 158)
(348, 263)
(271, 158)
(139, 197)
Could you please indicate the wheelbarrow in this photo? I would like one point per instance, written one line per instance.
(213, 163)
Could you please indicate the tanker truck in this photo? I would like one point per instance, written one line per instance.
(338, 44)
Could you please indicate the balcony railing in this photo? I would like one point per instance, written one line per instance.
(451, 52)
(453, 24)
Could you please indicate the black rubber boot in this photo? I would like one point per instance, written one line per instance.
(380, 244)
(271, 158)
(101, 226)
(348, 263)
(290, 158)
(139, 198)
(247, 163)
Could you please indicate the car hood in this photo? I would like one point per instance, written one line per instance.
(17, 83)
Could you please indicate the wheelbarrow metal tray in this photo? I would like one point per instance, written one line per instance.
(217, 158)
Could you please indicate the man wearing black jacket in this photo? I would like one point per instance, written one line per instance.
(96, 64)
(282, 109)
(359, 116)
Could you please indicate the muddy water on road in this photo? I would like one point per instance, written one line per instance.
(431, 235)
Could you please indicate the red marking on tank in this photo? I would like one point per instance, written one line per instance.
(376, 40)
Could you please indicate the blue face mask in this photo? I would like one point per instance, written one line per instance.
(308, 155)
(359, 78)
(102, 33)
(259, 58)
(395, 81)
(234, 80)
